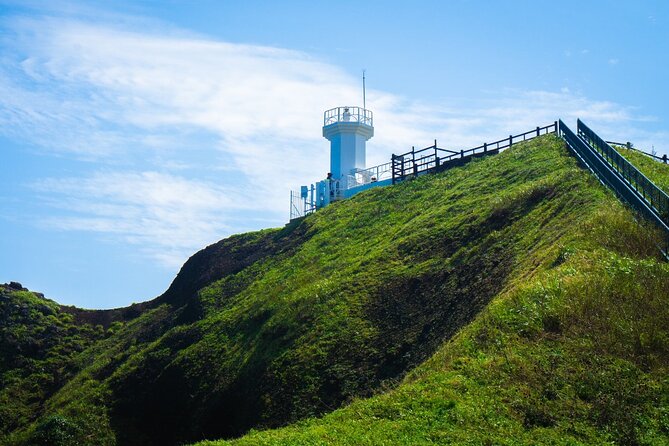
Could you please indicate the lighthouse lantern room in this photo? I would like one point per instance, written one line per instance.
(348, 129)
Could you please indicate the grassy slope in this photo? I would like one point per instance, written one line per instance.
(38, 346)
(78, 411)
(343, 304)
(657, 172)
(574, 350)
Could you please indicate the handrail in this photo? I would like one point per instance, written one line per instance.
(585, 154)
(370, 175)
(604, 171)
(655, 197)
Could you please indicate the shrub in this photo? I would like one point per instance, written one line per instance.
(56, 430)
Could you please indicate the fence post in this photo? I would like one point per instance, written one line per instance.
(462, 153)
(510, 140)
(485, 147)
(664, 158)
(538, 130)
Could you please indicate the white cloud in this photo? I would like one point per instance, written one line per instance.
(169, 216)
(136, 103)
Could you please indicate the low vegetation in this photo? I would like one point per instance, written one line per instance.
(39, 345)
(578, 355)
(509, 301)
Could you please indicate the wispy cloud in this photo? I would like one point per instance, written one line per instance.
(164, 214)
(189, 138)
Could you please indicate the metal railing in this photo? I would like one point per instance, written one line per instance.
(369, 175)
(655, 197)
(589, 158)
(297, 205)
(588, 148)
(417, 162)
(348, 114)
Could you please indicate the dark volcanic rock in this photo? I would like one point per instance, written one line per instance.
(15, 286)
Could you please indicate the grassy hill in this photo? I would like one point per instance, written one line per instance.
(509, 301)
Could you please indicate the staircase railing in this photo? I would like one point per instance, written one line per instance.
(586, 147)
(652, 195)
(581, 150)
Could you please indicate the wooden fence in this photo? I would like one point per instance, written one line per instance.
(434, 159)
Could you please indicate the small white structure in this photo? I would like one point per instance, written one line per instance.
(348, 129)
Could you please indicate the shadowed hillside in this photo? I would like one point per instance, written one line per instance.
(264, 329)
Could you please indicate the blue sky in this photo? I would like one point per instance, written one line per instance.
(135, 133)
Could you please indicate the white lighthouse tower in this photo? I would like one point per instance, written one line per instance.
(348, 129)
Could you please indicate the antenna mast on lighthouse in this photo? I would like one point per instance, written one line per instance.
(364, 101)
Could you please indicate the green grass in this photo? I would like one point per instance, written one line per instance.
(572, 351)
(38, 347)
(504, 302)
(579, 356)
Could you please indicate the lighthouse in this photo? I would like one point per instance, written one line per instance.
(348, 129)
